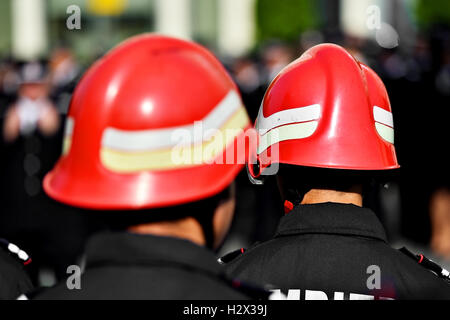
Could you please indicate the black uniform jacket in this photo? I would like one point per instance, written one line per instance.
(131, 266)
(14, 281)
(335, 251)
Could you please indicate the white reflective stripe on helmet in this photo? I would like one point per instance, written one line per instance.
(384, 123)
(290, 116)
(287, 132)
(387, 133)
(68, 132)
(153, 139)
(181, 155)
(382, 116)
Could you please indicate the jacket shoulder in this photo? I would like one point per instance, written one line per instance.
(148, 284)
(421, 276)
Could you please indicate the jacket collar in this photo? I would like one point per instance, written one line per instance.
(331, 218)
(124, 248)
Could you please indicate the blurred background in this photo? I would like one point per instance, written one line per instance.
(45, 45)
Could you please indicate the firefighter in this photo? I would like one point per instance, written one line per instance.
(326, 130)
(146, 138)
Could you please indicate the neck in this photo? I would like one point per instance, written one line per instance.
(353, 196)
(186, 228)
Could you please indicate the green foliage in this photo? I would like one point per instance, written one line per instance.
(429, 12)
(285, 19)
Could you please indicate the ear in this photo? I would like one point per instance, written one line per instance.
(222, 219)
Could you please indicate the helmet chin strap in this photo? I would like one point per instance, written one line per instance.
(295, 195)
(254, 180)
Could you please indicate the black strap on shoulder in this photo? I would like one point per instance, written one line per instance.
(428, 264)
(231, 256)
(15, 252)
(249, 289)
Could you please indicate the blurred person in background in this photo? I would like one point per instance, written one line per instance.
(33, 109)
(9, 81)
(31, 135)
(440, 223)
(275, 56)
(354, 46)
(440, 196)
(247, 75)
(64, 75)
(163, 217)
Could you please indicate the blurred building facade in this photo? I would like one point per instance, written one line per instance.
(228, 26)
(225, 25)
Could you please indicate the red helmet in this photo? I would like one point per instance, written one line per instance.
(326, 110)
(146, 128)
